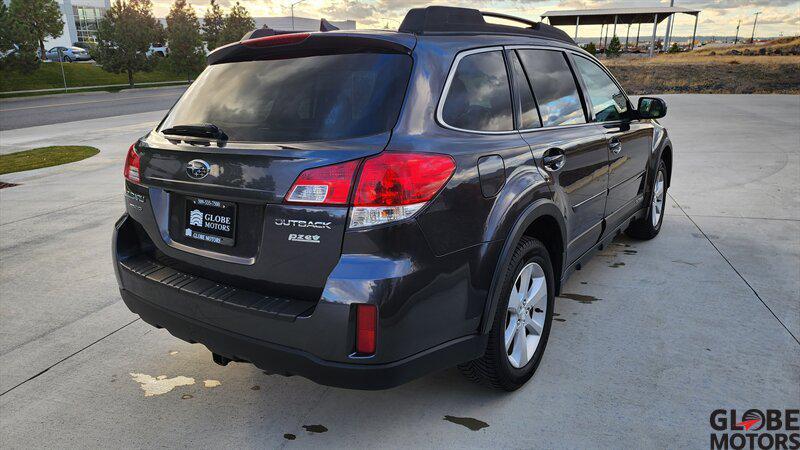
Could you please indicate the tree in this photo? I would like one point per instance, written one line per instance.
(237, 23)
(674, 48)
(124, 36)
(17, 43)
(185, 42)
(590, 47)
(614, 48)
(213, 24)
(40, 18)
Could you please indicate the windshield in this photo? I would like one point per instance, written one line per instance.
(301, 99)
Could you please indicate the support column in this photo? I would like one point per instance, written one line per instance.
(605, 41)
(653, 41)
(627, 33)
(694, 33)
(600, 42)
(668, 36)
(577, 24)
(615, 27)
(638, 31)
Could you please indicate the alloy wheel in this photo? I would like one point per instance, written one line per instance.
(525, 318)
(657, 207)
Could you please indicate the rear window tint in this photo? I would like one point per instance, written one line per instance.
(479, 98)
(324, 97)
(554, 87)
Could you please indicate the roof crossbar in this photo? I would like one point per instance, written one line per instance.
(452, 20)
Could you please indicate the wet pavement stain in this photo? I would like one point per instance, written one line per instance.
(630, 252)
(680, 261)
(186, 396)
(161, 384)
(255, 388)
(555, 317)
(617, 264)
(315, 428)
(211, 383)
(585, 299)
(289, 436)
(469, 422)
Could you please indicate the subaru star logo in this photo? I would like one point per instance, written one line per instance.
(197, 169)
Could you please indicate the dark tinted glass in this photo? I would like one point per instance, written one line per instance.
(480, 97)
(554, 87)
(301, 99)
(608, 101)
(530, 115)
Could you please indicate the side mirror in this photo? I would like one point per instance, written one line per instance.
(651, 108)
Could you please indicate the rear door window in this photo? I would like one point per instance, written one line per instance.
(479, 98)
(324, 97)
(554, 87)
(608, 101)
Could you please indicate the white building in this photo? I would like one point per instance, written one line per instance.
(80, 21)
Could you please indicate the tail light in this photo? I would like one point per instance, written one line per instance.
(131, 170)
(366, 329)
(391, 186)
(328, 185)
(394, 186)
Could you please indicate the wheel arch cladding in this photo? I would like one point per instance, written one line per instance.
(542, 220)
(666, 155)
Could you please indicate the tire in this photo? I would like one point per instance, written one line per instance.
(647, 227)
(495, 368)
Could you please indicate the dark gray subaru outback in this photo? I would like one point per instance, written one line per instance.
(363, 208)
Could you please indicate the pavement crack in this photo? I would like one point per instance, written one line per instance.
(66, 358)
(735, 270)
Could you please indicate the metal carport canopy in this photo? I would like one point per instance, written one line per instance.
(607, 16)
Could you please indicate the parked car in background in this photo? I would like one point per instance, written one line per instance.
(157, 49)
(69, 54)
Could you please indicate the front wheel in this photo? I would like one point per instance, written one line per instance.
(649, 226)
(522, 322)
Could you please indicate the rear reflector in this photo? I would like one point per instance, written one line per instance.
(131, 170)
(328, 185)
(278, 39)
(366, 329)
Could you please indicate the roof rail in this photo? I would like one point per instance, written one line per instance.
(446, 19)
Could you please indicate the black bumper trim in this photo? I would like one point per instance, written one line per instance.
(273, 307)
(276, 358)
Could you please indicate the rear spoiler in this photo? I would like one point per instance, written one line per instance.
(294, 45)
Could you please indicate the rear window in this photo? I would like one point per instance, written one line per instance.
(323, 97)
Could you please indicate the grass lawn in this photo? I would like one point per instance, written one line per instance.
(44, 157)
(48, 76)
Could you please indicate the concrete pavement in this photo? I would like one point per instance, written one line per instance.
(705, 316)
(58, 109)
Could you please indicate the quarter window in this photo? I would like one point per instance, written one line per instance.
(479, 98)
(554, 87)
(608, 101)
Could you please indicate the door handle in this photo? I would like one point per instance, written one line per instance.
(615, 145)
(554, 159)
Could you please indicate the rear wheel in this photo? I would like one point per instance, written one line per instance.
(522, 322)
(648, 227)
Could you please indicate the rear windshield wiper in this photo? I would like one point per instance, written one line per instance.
(201, 130)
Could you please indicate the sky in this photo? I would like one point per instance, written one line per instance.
(718, 17)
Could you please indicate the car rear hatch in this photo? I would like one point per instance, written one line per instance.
(220, 166)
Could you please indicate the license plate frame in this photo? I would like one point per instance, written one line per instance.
(211, 221)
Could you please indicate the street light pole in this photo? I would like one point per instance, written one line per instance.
(753, 36)
(292, 7)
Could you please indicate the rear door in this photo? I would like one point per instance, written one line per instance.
(629, 141)
(220, 203)
(571, 150)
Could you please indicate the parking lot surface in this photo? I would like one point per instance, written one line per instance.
(649, 339)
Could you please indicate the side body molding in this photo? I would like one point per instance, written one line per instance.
(539, 208)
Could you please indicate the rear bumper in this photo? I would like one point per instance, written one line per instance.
(285, 360)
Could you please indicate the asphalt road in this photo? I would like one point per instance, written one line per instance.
(705, 316)
(58, 109)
